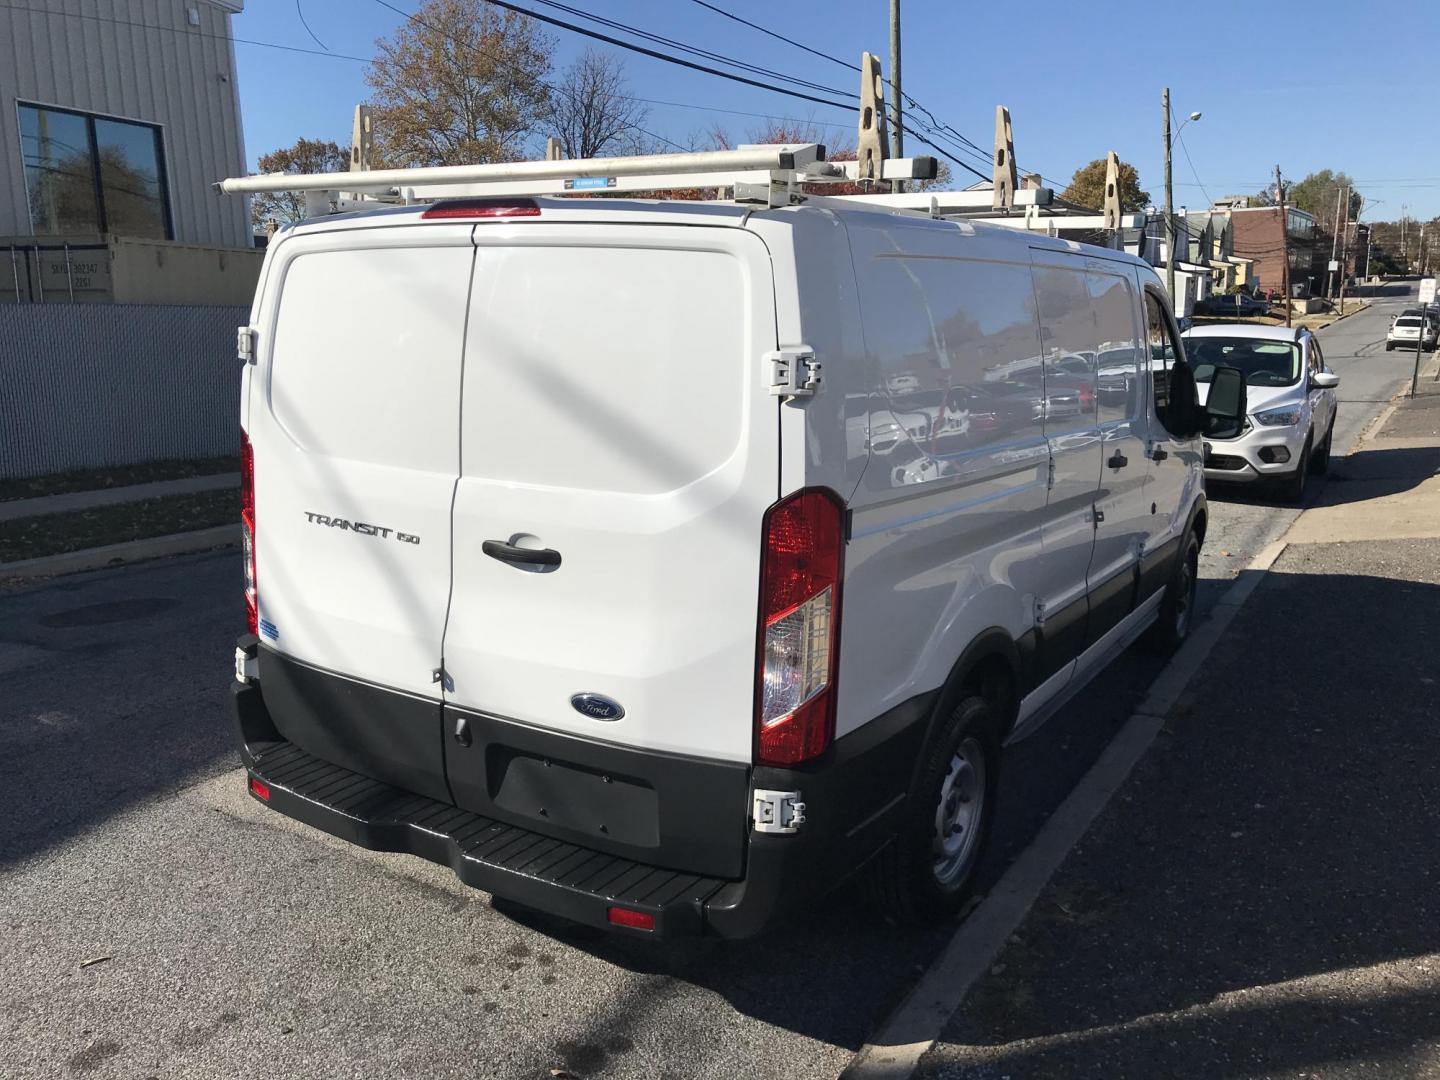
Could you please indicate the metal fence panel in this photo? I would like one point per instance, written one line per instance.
(94, 385)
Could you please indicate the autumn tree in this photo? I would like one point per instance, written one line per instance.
(306, 156)
(1320, 194)
(1087, 188)
(461, 82)
(590, 112)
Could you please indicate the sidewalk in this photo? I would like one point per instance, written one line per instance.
(1262, 897)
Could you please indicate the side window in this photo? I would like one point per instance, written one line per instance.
(1119, 384)
(1072, 344)
(1164, 356)
(1317, 358)
(960, 368)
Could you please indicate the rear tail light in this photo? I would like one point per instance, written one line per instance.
(259, 789)
(482, 208)
(247, 532)
(799, 644)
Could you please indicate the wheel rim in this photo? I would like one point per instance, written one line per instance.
(1185, 598)
(959, 813)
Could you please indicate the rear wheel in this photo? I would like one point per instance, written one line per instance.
(928, 871)
(1177, 608)
(1292, 488)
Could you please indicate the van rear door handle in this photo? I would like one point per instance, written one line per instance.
(1118, 460)
(518, 556)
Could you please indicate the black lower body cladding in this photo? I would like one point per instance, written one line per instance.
(853, 794)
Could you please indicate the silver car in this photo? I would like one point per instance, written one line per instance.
(1291, 400)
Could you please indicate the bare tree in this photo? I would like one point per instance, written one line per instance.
(590, 111)
(461, 82)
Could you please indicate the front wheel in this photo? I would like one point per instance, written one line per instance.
(1320, 463)
(928, 871)
(1292, 488)
(1177, 608)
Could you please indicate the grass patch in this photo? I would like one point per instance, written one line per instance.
(120, 476)
(56, 534)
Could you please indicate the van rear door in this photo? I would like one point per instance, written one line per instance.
(354, 419)
(619, 449)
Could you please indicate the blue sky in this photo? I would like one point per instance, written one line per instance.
(1301, 85)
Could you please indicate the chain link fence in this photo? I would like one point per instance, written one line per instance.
(97, 385)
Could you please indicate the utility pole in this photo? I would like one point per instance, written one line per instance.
(1344, 245)
(897, 129)
(1369, 244)
(1284, 243)
(1334, 248)
(1169, 205)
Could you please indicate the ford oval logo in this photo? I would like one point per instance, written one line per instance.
(597, 706)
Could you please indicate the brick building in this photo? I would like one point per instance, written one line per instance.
(1256, 234)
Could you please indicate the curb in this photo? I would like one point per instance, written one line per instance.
(894, 1051)
(154, 547)
(72, 501)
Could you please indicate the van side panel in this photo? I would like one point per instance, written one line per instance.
(946, 523)
(825, 437)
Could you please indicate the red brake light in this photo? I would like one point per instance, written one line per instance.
(247, 535)
(800, 576)
(482, 208)
(259, 789)
(636, 920)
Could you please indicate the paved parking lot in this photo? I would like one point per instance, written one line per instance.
(158, 922)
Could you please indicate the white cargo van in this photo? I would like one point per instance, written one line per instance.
(662, 564)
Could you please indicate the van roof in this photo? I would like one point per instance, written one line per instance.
(1247, 330)
(721, 214)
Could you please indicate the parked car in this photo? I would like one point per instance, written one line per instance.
(1406, 330)
(1291, 397)
(1232, 305)
(520, 475)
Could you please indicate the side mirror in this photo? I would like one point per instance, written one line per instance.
(1226, 406)
(1324, 380)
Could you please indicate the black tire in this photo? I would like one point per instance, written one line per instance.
(1389, 347)
(905, 879)
(1177, 607)
(1292, 487)
(1320, 462)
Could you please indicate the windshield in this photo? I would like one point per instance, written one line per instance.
(1263, 363)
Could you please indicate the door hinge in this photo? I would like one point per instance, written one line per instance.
(1039, 612)
(245, 344)
(778, 811)
(1099, 515)
(441, 676)
(794, 372)
(1050, 472)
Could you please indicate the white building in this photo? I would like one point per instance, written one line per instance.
(115, 119)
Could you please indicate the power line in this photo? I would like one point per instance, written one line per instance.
(299, 10)
(779, 37)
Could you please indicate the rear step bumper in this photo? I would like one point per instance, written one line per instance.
(854, 797)
(538, 871)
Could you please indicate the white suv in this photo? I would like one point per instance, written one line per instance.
(1292, 403)
(1406, 330)
(661, 564)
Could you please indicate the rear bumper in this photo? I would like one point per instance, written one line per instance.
(854, 796)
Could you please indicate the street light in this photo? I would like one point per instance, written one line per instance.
(1170, 194)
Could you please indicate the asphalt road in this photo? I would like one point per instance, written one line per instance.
(228, 942)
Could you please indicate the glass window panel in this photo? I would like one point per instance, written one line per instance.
(59, 172)
(130, 178)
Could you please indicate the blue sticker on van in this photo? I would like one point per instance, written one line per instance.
(269, 630)
(589, 183)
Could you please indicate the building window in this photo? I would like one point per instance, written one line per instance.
(91, 174)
